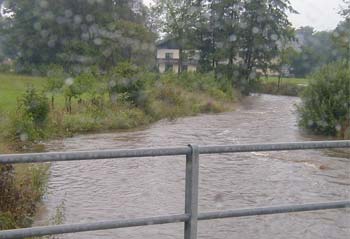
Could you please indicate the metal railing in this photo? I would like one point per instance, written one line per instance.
(191, 216)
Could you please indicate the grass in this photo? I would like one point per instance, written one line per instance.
(288, 86)
(292, 81)
(12, 86)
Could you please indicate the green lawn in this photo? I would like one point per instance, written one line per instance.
(13, 86)
(293, 81)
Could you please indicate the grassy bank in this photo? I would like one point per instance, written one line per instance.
(163, 96)
(287, 86)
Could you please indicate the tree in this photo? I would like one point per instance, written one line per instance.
(341, 35)
(55, 82)
(263, 23)
(76, 34)
(177, 18)
(314, 49)
(345, 12)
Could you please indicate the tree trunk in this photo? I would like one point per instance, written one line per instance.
(180, 61)
(53, 102)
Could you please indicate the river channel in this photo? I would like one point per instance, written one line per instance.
(102, 190)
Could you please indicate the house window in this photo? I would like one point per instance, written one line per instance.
(169, 55)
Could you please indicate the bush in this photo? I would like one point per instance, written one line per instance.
(29, 122)
(20, 190)
(35, 106)
(325, 102)
(126, 78)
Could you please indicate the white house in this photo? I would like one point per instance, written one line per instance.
(168, 57)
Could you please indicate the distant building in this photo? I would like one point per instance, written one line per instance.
(168, 57)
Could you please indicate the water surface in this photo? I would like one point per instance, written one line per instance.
(130, 188)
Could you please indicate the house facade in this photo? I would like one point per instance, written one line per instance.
(168, 57)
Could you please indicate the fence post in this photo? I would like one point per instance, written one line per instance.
(191, 192)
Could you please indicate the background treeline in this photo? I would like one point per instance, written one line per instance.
(238, 39)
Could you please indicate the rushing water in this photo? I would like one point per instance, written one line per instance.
(130, 188)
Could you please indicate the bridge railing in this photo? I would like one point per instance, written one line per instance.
(191, 216)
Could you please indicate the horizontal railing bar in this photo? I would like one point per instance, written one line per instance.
(73, 228)
(91, 155)
(275, 147)
(134, 153)
(273, 210)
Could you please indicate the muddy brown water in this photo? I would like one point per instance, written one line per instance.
(130, 188)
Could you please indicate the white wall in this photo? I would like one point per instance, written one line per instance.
(161, 67)
(191, 68)
(161, 53)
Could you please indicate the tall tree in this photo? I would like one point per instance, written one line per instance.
(264, 23)
(77, 33)
(342, 34)
(177, 19)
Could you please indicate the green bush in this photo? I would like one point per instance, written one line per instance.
(326, 102)
(30, 120)
(35, 106)
(127, 78)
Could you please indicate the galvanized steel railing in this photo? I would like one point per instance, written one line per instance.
(191, 216)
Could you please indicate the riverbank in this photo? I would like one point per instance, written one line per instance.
(167, 98)
(286, 86)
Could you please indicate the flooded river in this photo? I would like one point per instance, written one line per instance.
(130, 188)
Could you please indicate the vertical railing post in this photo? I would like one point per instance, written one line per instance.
(191, 192)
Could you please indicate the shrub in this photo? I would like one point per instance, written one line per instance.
(35, 106)
(30, 120)
(126, 78)
(325, 102)
(20, 189)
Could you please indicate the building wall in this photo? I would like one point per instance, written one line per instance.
(161, 67)
(192, 68)
(162, 52)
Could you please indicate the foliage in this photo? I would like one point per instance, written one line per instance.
(177, 18)
(34, 106)
(125, 80)
(315, 49)
(29, 121)
(55, 81)
(325, 102)
(285, 88)
(21, 187)
(74, 34)
(341, 38)
(244, 33)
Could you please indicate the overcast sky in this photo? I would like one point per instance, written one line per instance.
(320, 14)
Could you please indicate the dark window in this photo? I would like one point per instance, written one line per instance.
(169, 55)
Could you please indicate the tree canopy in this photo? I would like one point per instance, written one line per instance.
(75, 34)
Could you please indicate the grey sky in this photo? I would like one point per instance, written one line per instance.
(320, 14)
